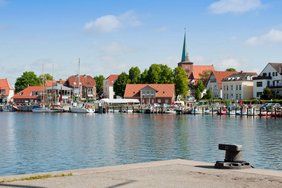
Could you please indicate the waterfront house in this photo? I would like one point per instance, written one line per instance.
(84, 86)
(59, 94)
(108, 86)
(270, 76)
(194, 72)
(238, 86)
(151, 93)
(214, 82)
(31, 94)
(6, 91)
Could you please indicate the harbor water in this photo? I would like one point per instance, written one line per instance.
(31, 143)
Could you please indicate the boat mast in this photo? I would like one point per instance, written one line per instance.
(79, 79)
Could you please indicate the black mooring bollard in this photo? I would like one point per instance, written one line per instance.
(233, 157)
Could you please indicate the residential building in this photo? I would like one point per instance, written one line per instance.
(194, 72)
(151, 93)
(59, 94)
(31, 94)
(6, 91)
(271, 76)
(238, 86)
(84, 86)
(214, 82)
(108, 86)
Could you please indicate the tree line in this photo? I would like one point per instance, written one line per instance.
(155, 74)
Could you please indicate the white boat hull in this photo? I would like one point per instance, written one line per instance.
(81, 110)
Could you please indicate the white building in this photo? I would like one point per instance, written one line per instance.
(271, 76)
(215, 82)
(108, 86)
(6, 91)
(238, 86)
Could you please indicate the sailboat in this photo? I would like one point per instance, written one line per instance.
(43, 108)
(79, 107)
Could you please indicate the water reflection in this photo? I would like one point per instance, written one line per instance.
(46, 142)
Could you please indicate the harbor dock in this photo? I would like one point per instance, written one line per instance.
(171, 173)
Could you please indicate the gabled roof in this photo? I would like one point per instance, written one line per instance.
(85, 80)
(111, 79)
(277, 67)
(163, 90)
(219, 75)
(4, 85)
(199, 69)
(27, 92)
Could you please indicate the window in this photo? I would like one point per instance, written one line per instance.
(240, 87)
(159, 100)
(223, 88)
(264, 74)
(268, 83)
(231, 87)
(166, 101)
(236, 87)
(227, 88)
(259, 84)
(273, 83)
(236, 96)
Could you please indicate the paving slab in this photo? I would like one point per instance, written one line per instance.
(172, 173)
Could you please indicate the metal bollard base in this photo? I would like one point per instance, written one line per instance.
(232, 165)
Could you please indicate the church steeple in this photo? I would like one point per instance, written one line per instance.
(184, 49)
(184, 57)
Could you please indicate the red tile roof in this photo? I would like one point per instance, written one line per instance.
(219, 75)
(85, 80)
(199, 69)
(163, 90)
(27, 92)
(4, 85)
(111, 79)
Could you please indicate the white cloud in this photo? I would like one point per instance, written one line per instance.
(110, 23)
(273, 36)
(234, 6)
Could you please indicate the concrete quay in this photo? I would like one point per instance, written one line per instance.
(171, 173)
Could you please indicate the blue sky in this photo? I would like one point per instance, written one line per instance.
(110, 36)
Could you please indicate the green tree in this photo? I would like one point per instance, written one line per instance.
(26, 79)
(120, 84)
(180, 81)
(134, 75)
(154, 73)
(267, 94)
(143, 77)
(45, 77)
(201, 86)
(231, 69)
(99, 84)
(166, 75)
(197, 94)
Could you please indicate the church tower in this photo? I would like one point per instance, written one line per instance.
(185, 63)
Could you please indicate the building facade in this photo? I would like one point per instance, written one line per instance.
(31, 95)
(108, 86)
(238, 86)
(6, 91)
(84, 86)
(151, 93)
(271, 77)
(214, 82)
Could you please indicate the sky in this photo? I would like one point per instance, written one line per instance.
(110, 36)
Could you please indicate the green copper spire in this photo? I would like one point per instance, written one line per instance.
(183, 58)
